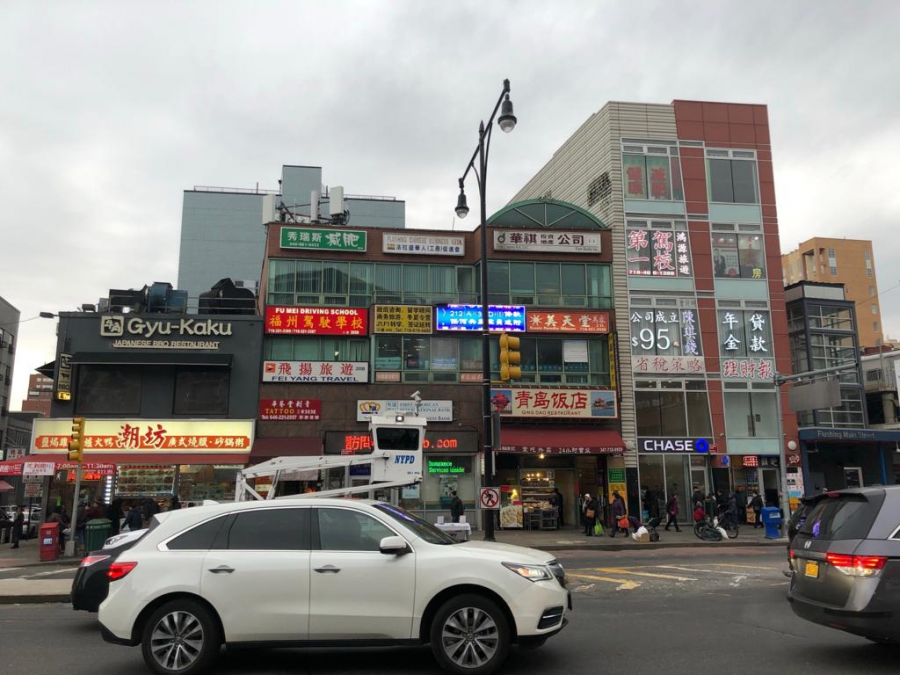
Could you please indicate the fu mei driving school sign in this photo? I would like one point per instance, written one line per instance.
(316, 321)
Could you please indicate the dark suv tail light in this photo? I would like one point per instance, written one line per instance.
(856, 565)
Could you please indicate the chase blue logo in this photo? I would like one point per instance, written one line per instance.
(701, 445)
(404, 459)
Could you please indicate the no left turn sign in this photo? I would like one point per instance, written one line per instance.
(490, 498)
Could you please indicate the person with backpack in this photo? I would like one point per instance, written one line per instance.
(672, 512)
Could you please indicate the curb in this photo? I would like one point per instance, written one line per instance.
(38, 599)
(73, 562)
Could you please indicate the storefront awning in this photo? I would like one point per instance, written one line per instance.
(98, 461)
(849, 436)
(151, 358)
(5, 487)
(293, 446)
(557, 441)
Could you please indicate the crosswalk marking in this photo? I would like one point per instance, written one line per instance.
(622, 570)
(624, 584)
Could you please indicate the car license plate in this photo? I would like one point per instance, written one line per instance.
(811, 569)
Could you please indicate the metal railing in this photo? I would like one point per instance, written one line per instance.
(243, 191)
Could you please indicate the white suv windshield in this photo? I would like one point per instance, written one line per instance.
(422, 528)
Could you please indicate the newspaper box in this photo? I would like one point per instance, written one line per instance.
(49, 538)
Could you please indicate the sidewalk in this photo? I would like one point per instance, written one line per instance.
(572, 539)
(27, 555)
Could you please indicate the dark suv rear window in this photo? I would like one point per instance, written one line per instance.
(841, 518)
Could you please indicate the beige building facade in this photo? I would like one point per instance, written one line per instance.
(841, 261)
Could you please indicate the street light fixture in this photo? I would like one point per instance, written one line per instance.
(506, 122)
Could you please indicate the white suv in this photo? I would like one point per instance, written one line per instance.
(326, 572)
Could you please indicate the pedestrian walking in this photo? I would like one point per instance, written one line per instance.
(134, 520)
(731, 511)
(589, 515)
(80, 523)
(672, 512)
(756, 503)
(114, 515)
(696, 497)
(176, 504)
(18, 526)
(618, 511)
(457, 509)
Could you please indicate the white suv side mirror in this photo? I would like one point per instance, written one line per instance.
(393, 546)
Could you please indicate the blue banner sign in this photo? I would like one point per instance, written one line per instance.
(501, 318)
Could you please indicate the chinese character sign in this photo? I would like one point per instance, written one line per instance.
(676, 365)
(104, 436)
(745, 332)
(567, 321)
(501, 318)
(315, 371)
(663, 253)
(289, 409)
(664, 332)
(546, 402)
(552, 241)
(325, 240)
(316, 321)
(402, 319)
(748, 369)
(420, 244)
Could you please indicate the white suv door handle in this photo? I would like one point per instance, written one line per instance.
(222, 569)
(328, 568)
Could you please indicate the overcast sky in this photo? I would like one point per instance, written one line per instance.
(109, 110)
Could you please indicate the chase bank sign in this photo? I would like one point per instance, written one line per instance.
(676, 445)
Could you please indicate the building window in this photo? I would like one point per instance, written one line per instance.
(343, 284)
(871, 290)
(651, 172)
(875, 326)
(849, 414)
(664, 330)
(109, 390)
(731, 176)
(284, 348)
(874, 308)
(582, 361)
(424, 359)
(658, 248)
(736, 255)
(549, 284)
(201, 391)
(829, 318)
(828, 350)
(677, 409)
(750, 414)
(745, 332)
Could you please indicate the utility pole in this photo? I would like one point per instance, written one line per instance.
(76, 454)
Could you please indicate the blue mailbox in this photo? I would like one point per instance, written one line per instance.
(771, 517)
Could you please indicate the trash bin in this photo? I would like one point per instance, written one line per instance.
(49, 541)
(96, 532)
(771, 517)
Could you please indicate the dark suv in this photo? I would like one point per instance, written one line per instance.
(846, 563)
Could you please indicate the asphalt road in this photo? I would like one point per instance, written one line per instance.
(675, 612)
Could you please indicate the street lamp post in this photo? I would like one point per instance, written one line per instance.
(506, 122)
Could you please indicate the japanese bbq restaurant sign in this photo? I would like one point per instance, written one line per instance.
(316, 371)
(282, 320)
(146, 436)
(550, 402)
(568, 322)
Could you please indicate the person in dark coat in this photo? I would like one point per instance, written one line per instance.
(18, 526)
(59, 516)
(696, 497)
(617, 510)
(731, 511)
(134, 520)
(589, 515)
(176, 504)
(672, 512)
(558, 500)
(114, 514)
(456, 507)
(756, 503)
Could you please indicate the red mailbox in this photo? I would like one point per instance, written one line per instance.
(49, 536)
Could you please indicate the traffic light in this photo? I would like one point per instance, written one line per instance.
(510, 358)
(76, 440)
